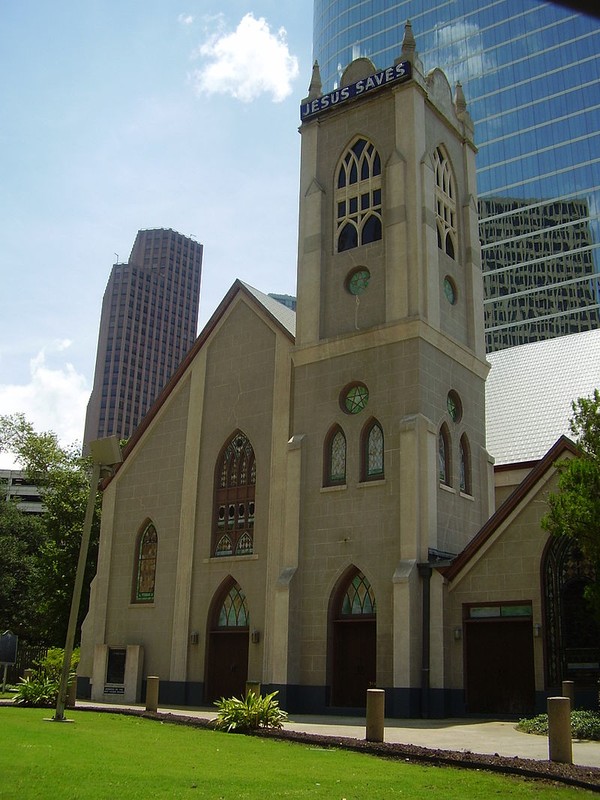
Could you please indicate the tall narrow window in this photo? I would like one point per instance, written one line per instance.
(358, 197)
(145, 577)
(465, 465)
(444, 455)
(335, 457)
(233, 532)
(372, 451)
(445, 203)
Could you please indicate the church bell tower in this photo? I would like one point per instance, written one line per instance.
(389, 362)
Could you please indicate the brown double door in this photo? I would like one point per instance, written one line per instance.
(228, 664)
(354, 661)
(499, 671)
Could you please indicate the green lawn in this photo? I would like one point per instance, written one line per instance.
(112, 756)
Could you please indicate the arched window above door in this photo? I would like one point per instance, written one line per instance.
(233, 524)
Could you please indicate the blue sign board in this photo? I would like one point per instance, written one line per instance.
(399, 72)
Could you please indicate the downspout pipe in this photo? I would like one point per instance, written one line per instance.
(425, 571)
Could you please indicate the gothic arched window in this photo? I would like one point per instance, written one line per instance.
(145, 573)
(465, 464)
(358, 197)
(372, 451)
(233, 530)
(445, 203)
(335, 457)
(444, 455)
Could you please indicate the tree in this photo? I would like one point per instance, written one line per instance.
(62, 476)
(21, 537)
(575, 508)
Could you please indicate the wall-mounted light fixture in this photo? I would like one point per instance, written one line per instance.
(458, 634)
(194, 638)
(255, 636)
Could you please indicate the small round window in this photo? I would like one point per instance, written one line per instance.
(450, 290)
(454, 406)
(358, 280)
(354, 398)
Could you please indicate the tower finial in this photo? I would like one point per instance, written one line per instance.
(460, 106)
(409, 48)
(316, 87)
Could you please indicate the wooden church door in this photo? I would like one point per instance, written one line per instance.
(227, 664)
(354, 643)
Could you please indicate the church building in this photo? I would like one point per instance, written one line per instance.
(309, 505)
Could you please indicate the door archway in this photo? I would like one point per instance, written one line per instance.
(353, 640)
(227, 652)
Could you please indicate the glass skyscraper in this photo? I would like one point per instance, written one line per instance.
(530, 71)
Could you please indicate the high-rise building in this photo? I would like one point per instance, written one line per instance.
(149, 321)
(531, 77)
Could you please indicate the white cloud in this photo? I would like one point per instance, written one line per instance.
(54, 399)
(461, 52)
(185, 19)
(246, 63)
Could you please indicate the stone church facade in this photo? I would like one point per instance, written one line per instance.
(309, 503)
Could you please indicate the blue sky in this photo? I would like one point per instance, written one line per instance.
(119, 115)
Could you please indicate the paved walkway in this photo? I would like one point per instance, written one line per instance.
(464, 735)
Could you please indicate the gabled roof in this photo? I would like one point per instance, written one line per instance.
(529, 392)
(560, 448)
(283, 317)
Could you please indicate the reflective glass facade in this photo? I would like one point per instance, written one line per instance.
(531, 76)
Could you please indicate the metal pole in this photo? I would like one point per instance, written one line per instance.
(61, 701)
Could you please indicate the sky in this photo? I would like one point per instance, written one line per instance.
(120, 115)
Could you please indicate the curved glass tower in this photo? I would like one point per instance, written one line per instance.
(531, 76)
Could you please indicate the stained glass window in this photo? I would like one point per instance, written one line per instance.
(444, 455)
(373, 451)
(454, 406)
(359, 598)
(465, 466)
(445, 203)
(146, 565)
(355, 398)
(335, 457)
(358, 281)
(358, 197)
(233, 530)
(234, 611)
(449, 290)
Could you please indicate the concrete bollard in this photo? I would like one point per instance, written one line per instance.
(568, 690)
(560, 745)
(254, 687)
(152, 682)
(375, 715)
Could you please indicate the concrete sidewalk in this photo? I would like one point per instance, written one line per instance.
(463, 735)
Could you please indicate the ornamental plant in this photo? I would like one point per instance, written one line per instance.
(42, 687)
(249, 713)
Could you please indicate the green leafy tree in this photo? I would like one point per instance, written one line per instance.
(62, 477)
(575, 508)
(21, 537)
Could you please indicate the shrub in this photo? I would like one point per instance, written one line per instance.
(249, 713)
(41, 689)
(584, 725)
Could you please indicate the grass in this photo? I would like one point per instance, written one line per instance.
(109, 755)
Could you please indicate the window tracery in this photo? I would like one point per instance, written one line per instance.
(445, 203)
(234, 501)
(335, 457)
(358, 197)
(145, 577)
(372, 451)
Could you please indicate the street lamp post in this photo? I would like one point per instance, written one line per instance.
(105, 453)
